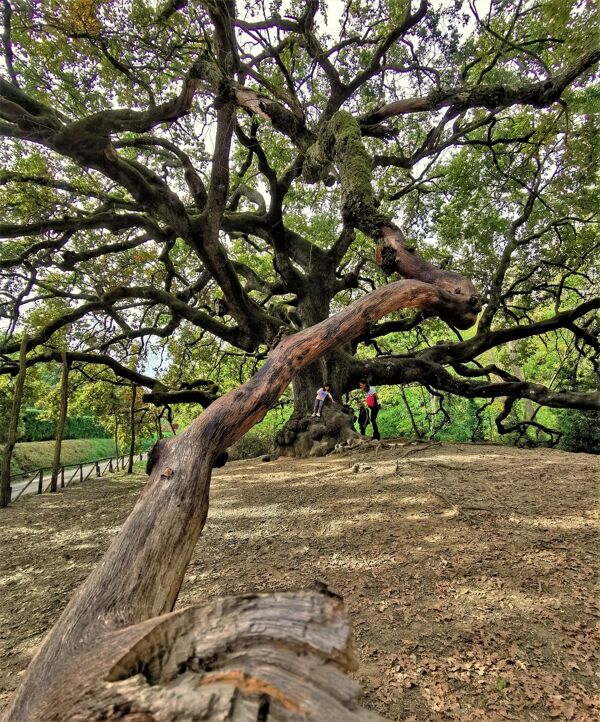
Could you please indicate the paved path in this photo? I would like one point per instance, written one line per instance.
(88, 469)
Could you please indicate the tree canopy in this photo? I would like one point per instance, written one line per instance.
(182, 182)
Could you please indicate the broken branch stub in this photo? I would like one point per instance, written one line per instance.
(275, 657)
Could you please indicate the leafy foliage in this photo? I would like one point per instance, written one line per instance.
(39, 428)
(182, 180)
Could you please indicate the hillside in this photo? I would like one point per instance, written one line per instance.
(31, 455)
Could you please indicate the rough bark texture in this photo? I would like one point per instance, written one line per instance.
(267, 657)
(309, 436)
(60, 426)
(279, 657)
(141, 573)
(304, 435)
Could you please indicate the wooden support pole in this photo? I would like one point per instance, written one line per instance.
(131, 429)
(13, 426)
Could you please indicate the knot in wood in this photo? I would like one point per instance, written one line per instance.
(388, 261)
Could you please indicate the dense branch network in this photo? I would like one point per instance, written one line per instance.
(143, 228)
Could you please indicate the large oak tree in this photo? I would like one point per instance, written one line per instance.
(200, 176)
(224, 177)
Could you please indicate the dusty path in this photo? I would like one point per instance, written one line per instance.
(471, 575)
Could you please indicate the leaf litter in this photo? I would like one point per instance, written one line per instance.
(470, 572)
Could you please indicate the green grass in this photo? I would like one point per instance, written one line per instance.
(31, 455)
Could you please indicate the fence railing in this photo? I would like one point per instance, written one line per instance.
(110, 463)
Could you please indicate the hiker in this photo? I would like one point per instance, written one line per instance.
(322, 395)
(363, 418)
(372, 404)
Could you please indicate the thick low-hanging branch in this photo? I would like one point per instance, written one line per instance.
(143, 569)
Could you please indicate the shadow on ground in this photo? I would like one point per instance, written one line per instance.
(468, 572)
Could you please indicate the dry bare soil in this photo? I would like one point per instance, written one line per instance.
(470, 572)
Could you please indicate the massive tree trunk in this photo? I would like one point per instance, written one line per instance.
(103, 636)
(305, 435)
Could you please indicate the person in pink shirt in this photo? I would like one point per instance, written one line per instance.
(322, 395)
(373, 405)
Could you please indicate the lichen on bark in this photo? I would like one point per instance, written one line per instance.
(340, 143)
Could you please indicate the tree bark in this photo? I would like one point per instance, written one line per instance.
(328, 370)
(411, 416)
(60, 426)
(131, 430)
(304, 435)
(142, 571)
(11, 437)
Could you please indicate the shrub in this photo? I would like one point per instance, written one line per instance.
(581, 430)
(38, 428)
(260, 439)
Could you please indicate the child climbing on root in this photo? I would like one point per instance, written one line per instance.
(322, 395)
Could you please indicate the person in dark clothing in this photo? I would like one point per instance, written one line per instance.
(363, 418)
(372, 404)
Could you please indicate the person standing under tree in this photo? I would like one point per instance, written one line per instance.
(372, 404)
(363, 418)
(322, 395)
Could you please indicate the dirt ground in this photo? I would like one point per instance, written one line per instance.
(470, 571)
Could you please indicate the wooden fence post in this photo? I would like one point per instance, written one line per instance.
(62, 477)
(40, 481)
(97, 468)
(81, 473)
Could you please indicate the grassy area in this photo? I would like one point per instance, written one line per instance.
(31, 455)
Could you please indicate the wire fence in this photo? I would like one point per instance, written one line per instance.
(98, 467)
